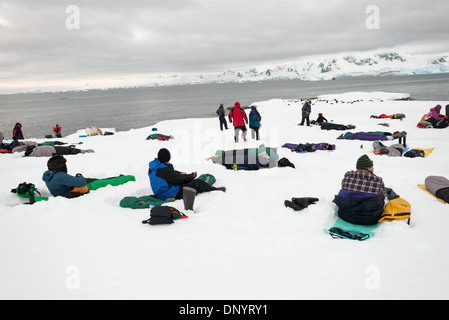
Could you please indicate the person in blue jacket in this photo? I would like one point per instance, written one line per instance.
(254, 122)
(59, 182)
(167, 183)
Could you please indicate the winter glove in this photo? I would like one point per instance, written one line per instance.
(304, 201)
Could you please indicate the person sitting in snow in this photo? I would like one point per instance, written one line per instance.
(7, 147)
(60, 183)
(167, 183)
(436, 119)
(361, 198)
(320, 119)
(57, 130)
(238, 116)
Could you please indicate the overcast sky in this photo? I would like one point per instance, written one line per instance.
(41, 45)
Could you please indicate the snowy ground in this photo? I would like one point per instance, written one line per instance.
(242, 244)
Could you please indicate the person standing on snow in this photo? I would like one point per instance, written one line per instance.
(306, 111)
(238, 117)
(254, 122)
(222, 117)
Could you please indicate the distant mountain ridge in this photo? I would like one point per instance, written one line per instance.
(311, 69)
(325, 68)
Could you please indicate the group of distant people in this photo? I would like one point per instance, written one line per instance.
(238, 117)
(17, 133)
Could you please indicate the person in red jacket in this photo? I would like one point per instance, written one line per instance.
(237, 116)
(17, 133)
(57, 130)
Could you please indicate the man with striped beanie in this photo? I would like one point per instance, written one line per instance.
(362, 194)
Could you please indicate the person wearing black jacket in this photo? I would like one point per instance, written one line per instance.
(306, 111)
(222, 117)
(17, 133)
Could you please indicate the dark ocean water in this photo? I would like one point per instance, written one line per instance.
(125, 109)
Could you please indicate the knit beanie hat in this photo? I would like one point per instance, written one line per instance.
(364, 162)
(164, 155)
(57, 163)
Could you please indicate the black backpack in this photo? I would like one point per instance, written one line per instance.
(284, 162)
(163, 215)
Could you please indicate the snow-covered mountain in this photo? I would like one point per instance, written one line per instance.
(323, 68)
(311, 69)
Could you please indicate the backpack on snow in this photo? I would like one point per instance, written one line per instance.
(396, 209)
(164, 215)
(28, 190)
(284, 162)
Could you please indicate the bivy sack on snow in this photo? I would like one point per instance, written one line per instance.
(164, 215)
(97, 184)
(247, 159)
(438, 186)
(309, 147)
(159, 137)
(375, 136)
(418, 152)
(335, 126)
(145, 202)
(365, 136)
(361, 210)
(399, 116)
(423, 124)
(93, 131)
(28, 190)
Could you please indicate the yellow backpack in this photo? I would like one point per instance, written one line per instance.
(396, 209)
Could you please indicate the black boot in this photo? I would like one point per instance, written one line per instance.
(294, 206)
(188, 196)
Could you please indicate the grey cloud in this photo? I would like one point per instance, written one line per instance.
(119, 38)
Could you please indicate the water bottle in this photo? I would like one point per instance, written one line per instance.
(151, 206)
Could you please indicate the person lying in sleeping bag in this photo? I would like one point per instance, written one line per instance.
(60, 183)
